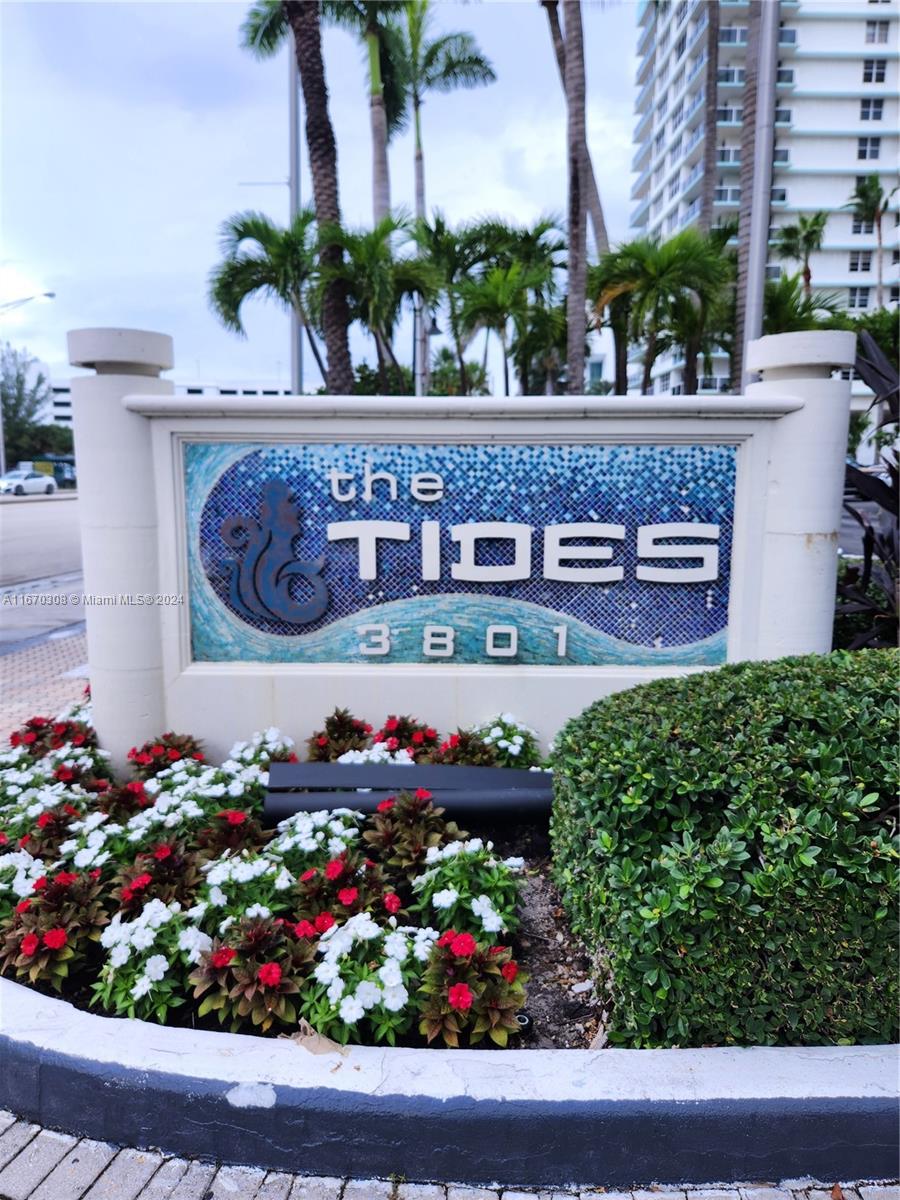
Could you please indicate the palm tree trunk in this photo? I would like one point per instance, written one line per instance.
(382, 366)
(807, 278)
(421, 331)
(748, 166)
(618, 323)
(576, 298)
(589, 183)
(461, 362)
(710, 145)
(304, 324)
(505, 363)
(689, 375)
(649, 360)
(879, 261)
(381, 180)
(304, 21)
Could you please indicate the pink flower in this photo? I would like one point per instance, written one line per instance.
(460, 997)
(55, 939)
(221, 958)
(269, 974)
(334, 869)
(347, 896)
(392, 902)
(323, 922)
(386, 805)
(29, 944)
(509, 971)
(463, 945)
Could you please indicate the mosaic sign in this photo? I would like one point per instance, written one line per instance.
(476, 553)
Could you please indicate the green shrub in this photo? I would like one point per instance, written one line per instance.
(725, 844)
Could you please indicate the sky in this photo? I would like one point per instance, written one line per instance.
(130, 131)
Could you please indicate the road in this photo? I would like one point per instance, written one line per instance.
(39, 537)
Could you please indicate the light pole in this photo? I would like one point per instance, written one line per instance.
(9, 306)
(294, 185)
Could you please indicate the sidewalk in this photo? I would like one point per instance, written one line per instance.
(41, 677)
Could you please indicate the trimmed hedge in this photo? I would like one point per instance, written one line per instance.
(725, 844)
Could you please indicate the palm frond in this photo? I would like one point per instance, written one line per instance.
(264, 28)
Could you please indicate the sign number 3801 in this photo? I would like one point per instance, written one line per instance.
(439, 641)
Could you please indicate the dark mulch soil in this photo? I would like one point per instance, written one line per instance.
(564, 1010)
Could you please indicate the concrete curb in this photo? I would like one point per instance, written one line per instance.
(612, 1117)
(59, 494)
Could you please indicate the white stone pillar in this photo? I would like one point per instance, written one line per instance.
(805, 487)
(117, 505)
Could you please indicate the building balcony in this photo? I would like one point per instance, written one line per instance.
(689, 149)
(644, 95)
(698, 66)
(730, 76)
(727, 195)
(641, 212)
(728, 156)
(692, 212)
(642, 184)
(729, 116)
(643, 126)
(692, 180)
(733, 35)
(641, 155)
(787, 39)
(692, 115)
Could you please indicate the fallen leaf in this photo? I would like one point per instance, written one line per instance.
(315, 1043)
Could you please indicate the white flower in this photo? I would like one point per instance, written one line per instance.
(119, 955)
(368, 994)
(156, 967)
(141, 988)
(514, 864)
(335, 989)
(217, 897)
(351, 1010)
(225, 925)
(396, 946)
(395, 998)
(143, 937)
(390, 973)
(515, 750)
(283, 880)
(258, 910)
(194, 942)
(326, 972)
(445, 899)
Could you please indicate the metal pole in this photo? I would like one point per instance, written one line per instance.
(764, 140)
(418, 366)
(294, 201)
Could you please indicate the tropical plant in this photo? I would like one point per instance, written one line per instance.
(376, 280)
(589, 183)
(869, 203)
(539, 346)
(444, 375)
(24, 394)
(787, 308)
(614, 313)
(432, 64)
(492, 302)
(800, 241)
(262, 257)
(576, 140)
(699, 316)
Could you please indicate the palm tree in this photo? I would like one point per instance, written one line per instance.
(789, 308)
(576, 138)
(869, 203)
(433, 64)
(589, 184)
(263, 31)
(367, 19)
(539, 346)
(798, 242)
(700, 310)
(376, 281)
(444, 375)
(659, 278)
(260, 256)
(614, 312)
(491, 302)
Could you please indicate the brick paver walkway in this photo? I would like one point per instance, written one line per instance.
(38, 1164)
(41, 679)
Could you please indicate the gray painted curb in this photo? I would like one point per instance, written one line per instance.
(294, 1118)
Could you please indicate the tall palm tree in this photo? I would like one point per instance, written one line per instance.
(869, 203)
(368, 18)
(492, 302)
(789, 308)
(377, 280)
(800, 241)
(657, 277)
(591, 191)
(700, 308)
(576, 140)
(264, 29)
(538, 347)
(260, 256)
(433, 64)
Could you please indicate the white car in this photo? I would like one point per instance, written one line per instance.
(20, 483)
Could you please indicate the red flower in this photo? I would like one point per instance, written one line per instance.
(4, 840)
(305, 929)
(509, 971)
(386, 805)
(418, 738)
(29, 944)
(64, 774)
(15, 739)
(23, 906)
(430, 733)
(143, 760)
(140, 882)
(234, 816)
(221, 958)
(65, 878)
(496, 949)
(198, 757)
(39, 722)
(334, 869)
(391, 724)
(367, 728)
(460, 997)
(423, 794)
(39, 884)
(392, 744)
(379, 737)
(463, 945)
(78, 739)
(157, 750)
(454, 740)
(29, 738)
(162, 852)
(70, 810)
(26, 837)
(136, 786)
(95, 874)
(44, 820)
(308, 875)
(446, 938)
(269, 974)
(55, 939)
(322, 741)
(323, 922)
(392, 902)
(127, 895)
(173, 755)
(347, 896)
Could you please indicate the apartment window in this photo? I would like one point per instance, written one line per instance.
(663, 75)
(780, 155)
(860, 260)
(675, 151)
(734, 35)
(879, 1)
(681, 12)
(871, 110)
(787, 37)
(868, 147)
(662, 108)
(674, 187)
(895, 257)
(779, 195)
(678, 82)
(873, 70)
(785, 75)
(658, 141)
(859, 297)
(677, 115)
(895, 296)
(783, 116)
(876, 33)
(773, 271)
(665, 381)
(863, 226)
(679, 48)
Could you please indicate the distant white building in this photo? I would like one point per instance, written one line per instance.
(61, 397)
(836, 119)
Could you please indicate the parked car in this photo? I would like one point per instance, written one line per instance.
(21, 483)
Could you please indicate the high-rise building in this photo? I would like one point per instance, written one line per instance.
(836, 119)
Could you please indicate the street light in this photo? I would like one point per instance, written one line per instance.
(5, 307)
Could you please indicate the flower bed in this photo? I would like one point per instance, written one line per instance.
(162, 897)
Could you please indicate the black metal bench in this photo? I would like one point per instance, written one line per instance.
(306, 787)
